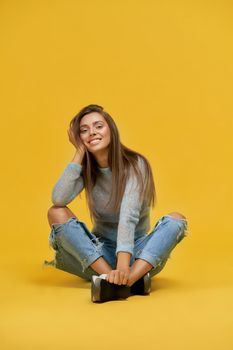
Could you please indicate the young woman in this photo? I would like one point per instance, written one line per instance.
(118, 255)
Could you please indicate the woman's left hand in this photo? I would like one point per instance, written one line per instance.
(119, 276)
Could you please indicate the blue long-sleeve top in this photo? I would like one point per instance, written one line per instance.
(123, 227)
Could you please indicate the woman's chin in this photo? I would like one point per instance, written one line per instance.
(96, 149)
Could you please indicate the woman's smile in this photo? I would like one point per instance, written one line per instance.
(95, 142)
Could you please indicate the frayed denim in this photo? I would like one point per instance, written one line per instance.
(76, 248)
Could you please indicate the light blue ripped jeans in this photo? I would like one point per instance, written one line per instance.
(76, 248)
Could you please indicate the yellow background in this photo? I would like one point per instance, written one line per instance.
(163, 70)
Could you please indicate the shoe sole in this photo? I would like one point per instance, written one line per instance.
(95, 289)
(147, 284)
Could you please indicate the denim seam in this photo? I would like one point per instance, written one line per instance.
(87, 261)
(155, 261)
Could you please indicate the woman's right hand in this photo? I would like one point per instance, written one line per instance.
(79, 147)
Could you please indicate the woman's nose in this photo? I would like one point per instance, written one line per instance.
(92, 132)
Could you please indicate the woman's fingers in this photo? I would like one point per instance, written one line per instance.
(117, 277)
(72, 139)
(70, 135)
(111, 276)
(125, 279)
(122, 277)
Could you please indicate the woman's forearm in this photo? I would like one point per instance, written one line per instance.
(70, 183)
(123, 259)
(78, 157)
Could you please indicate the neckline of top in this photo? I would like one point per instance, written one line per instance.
(104, 169)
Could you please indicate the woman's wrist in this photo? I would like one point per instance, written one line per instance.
(123, 260)
(78, 158)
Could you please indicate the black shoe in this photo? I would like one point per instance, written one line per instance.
(142, 286)
(102, 290)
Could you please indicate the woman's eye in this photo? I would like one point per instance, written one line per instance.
(83, 130)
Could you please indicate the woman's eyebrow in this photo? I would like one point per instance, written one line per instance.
(98, 121)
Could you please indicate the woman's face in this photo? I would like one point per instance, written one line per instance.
(93, 126)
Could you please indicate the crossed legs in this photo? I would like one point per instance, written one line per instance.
(59, 215)
(139, 268)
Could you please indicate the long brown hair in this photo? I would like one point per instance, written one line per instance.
(121, 160)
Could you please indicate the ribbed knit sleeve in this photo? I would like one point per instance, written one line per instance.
(129, 213)
(69, 185)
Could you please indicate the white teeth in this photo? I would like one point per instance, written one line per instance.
(95, 141)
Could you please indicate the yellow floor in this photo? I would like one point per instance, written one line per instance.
(190, 307)
(163, 70)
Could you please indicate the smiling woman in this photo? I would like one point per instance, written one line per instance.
(92, 123)
(95, 132)
(120, 190)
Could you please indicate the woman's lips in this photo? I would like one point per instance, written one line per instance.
(94, 142)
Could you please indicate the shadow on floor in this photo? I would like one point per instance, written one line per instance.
(57, 278)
